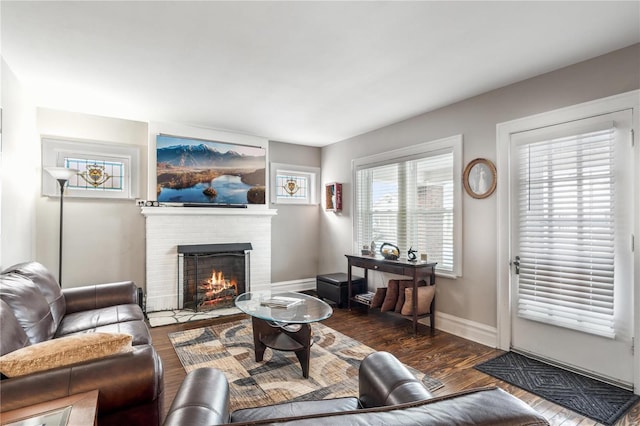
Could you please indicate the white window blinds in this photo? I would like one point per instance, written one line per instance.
(409, 203)
(566, 214)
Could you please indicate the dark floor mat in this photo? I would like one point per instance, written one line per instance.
(591, 398)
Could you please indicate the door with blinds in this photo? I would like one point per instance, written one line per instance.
(571, 216)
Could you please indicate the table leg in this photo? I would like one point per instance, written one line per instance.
(304, 338)
(260, 327)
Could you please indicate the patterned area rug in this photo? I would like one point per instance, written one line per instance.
(591, 398)
(333, 371)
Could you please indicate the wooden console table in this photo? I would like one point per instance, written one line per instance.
(418, 271)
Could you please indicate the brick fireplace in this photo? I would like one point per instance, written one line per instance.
(170, 227)
(212, 275)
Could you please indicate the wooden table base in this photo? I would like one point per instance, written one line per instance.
(268, 335)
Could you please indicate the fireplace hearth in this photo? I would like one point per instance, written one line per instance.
(211, 276)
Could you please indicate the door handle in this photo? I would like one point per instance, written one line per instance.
(516, 262)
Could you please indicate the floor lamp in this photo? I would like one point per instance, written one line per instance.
(62, 175)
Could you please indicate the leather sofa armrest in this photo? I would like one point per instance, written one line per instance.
(99, 296)
(383, 380)
(202, 399)
(124, 380)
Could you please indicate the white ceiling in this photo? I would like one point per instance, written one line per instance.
(305, 72)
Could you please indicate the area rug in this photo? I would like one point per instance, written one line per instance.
(333, 370)
(160, 318)
(591, 398)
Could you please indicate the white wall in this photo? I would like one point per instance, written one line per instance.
(103, 239)
(473, 296)
(20, 168)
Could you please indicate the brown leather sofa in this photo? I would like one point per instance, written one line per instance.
(34, 309)
(389, 395)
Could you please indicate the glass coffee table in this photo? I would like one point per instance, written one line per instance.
(282, 321)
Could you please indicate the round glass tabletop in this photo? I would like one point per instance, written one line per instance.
(284, 307)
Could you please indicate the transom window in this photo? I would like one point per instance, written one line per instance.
(291, 184)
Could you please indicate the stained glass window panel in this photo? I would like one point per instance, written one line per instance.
(96, 175)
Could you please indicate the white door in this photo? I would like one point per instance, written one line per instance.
(571, 215)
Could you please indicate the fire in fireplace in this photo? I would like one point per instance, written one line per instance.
(212, 275)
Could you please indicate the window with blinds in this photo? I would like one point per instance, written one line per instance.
(567, 219)
(412, 203)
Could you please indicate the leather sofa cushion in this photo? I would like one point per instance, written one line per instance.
(292, 409)
(12, 336)
(29, 306)
(47, 285)
(137, 329)
(62, 352)
(91, 319)
(478, 407)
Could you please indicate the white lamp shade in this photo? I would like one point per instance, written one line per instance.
(61, 172)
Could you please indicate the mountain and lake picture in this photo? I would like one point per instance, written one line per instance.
(209, 172)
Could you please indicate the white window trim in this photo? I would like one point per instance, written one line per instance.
(400, 154)
(314, 182)
(629, 100)
(55, 149)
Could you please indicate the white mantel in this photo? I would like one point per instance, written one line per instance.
(168, 227)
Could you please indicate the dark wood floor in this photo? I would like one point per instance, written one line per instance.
(443, 356)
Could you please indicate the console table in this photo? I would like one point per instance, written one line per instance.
(418, 271)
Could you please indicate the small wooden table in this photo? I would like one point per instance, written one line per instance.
(418, 271)
(84, 410)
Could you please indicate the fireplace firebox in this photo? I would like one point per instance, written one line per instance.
(210, 276)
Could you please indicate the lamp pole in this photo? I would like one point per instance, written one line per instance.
(62, 175)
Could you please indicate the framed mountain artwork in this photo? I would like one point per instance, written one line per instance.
(204, 172)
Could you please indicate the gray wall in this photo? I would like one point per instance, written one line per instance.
(104, 240)
(473, 296)
(295, 232)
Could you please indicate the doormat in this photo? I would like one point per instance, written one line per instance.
(333, 368)
(591, 398)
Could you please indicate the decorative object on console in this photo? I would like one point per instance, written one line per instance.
(480, 178)
(198, 171)
(333, 197)
(411, 255)
(62, 175)
(390, 251)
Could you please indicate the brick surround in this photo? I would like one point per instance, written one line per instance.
(168, 227)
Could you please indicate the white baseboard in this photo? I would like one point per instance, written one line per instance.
(295, 285)
(470, 330)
